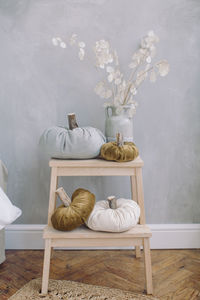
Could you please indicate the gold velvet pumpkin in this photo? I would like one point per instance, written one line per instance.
(71, 215)
(121, 153)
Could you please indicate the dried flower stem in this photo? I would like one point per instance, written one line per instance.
(157, 64)
(130, 86)
(116, 86)
(131, 78)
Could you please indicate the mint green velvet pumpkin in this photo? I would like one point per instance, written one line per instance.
(79, 143)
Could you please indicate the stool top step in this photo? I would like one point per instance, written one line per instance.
(93, 163)
(139, 231)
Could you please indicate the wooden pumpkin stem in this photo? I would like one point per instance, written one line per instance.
(72, 121)
(112, 202)
(63, 196)
(119, 138)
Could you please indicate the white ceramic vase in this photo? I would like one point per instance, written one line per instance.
(119, 121)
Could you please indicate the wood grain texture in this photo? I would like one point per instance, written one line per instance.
(82, 232)
(93, 163)
(148, 267)
(46, 266)
(176, 273)
(140, 194)
(96, 171)
(52, 193)
(134, 196)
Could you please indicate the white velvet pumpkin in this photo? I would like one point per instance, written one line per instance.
(114, 215)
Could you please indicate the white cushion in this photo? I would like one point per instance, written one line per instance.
(8, 212)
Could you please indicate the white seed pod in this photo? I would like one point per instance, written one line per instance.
(109, 69)
(148, 59)
(110, 77)
(110, 58)
(81, 53)
(163, 68)
(124, 83)
(133, 91)
(73, 39)
(63, 45)
(81, 44)
(55, 41)
(142, 51)
(151, 33)
(152, 76)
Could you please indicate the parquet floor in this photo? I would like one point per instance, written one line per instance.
(176, 273)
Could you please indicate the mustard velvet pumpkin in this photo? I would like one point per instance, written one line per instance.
(126, 152)
(68, 218)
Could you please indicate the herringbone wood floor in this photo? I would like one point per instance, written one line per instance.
(176, 273)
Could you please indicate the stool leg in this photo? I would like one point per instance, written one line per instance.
(52, 194)
(134, 197)
(46, 266)
(140, 194)
(147, 263)
(52, 252)
(137, 252)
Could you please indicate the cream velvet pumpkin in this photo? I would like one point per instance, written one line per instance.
(114, 215)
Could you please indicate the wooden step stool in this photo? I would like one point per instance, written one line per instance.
(84, 237)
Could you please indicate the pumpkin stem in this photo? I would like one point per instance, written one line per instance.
(72, 121)
(119, 139)
(63, 196)
(112, 202)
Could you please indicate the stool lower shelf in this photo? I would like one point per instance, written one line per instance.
(84, 237)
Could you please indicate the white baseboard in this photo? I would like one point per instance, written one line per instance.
(165, 236)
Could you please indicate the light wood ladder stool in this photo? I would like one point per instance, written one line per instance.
(84, 237)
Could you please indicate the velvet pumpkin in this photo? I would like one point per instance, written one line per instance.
(74, 212)
(114, 215)
(126, 152)
(73, 142)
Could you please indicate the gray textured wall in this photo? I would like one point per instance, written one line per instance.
(40, 84)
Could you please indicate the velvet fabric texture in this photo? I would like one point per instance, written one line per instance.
(79, 143)
(111, 151)
(68, 218)
(123, 217)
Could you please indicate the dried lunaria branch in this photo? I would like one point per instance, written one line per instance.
(116, 88)
(57, 41)
(141, 67)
